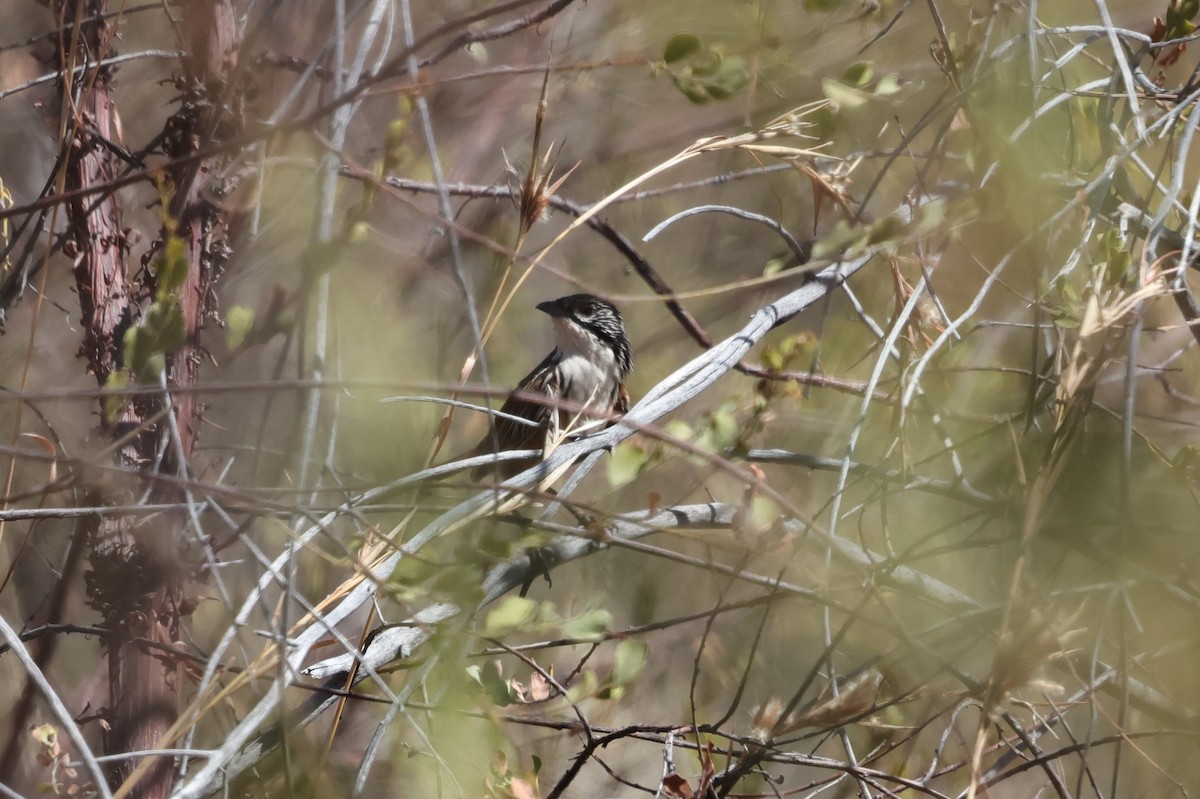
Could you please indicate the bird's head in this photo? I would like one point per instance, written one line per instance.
(584, 323)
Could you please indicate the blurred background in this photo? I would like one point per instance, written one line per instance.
(980, 495)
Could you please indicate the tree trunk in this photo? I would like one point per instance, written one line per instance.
(138, 570)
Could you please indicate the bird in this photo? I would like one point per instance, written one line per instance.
(582, 381)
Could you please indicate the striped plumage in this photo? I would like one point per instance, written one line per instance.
(587, 368)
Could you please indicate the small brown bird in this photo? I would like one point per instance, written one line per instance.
(586, 369)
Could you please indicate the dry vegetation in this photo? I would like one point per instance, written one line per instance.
(906, 504)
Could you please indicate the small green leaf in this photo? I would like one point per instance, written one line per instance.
(681, 46)
(930, 217)
(117, 380)
(1187, 457)
(677, 428)
(888, 85)
(1119, 265)
(626, 463)
(691, 89)
(846, 97)
(763, 513)
(887, 229)
(396, 131)
(239, 321)
(730, 76)
(772, 359)
(514, 612)
(151, 368)
(628, 661)
(164, 322)
(724, 430)
(859, 74)
(706, 65)
(488, 677)
(843, 236)
(138, 352)
(584, 686)
(774, 266)
(478, 51)
(172, 267)
(131, 346)
(591, 626)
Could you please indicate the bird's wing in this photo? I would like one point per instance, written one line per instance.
(542, 381)
(621, 406)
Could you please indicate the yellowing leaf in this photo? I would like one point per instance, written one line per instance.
(238, 323)
(626, 463)
(628, 662)
(512, 613)
(591, 626)
(117, 379)
(888, 85)
(845, 97)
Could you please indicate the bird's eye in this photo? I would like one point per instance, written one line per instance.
(587, 314)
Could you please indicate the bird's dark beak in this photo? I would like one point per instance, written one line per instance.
(552, 308)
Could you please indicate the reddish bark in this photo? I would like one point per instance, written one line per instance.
(123, 584)
(99, 242)
(138, 571)
(214, 114)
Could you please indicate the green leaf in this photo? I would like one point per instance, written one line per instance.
(117, 380)
(730, 76)
(137, 347)
(584, 686)
(239, 321)
(487, 676)
(151, 368)
(681, 46)
(725, 429)
(514, 612)
(859, 74)
(628, 662)
(691, 89)
(774, 266)
(677, 428)
(172, 268)
(930, 217)
(397, 129)
(591, 626)
(843, 236)
(889, 85)
(763, 513)
(886, 229)
(164, 321)
(772, 359)
(706, 65)
(1187, 457)
(846, 97)
(626, 463)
